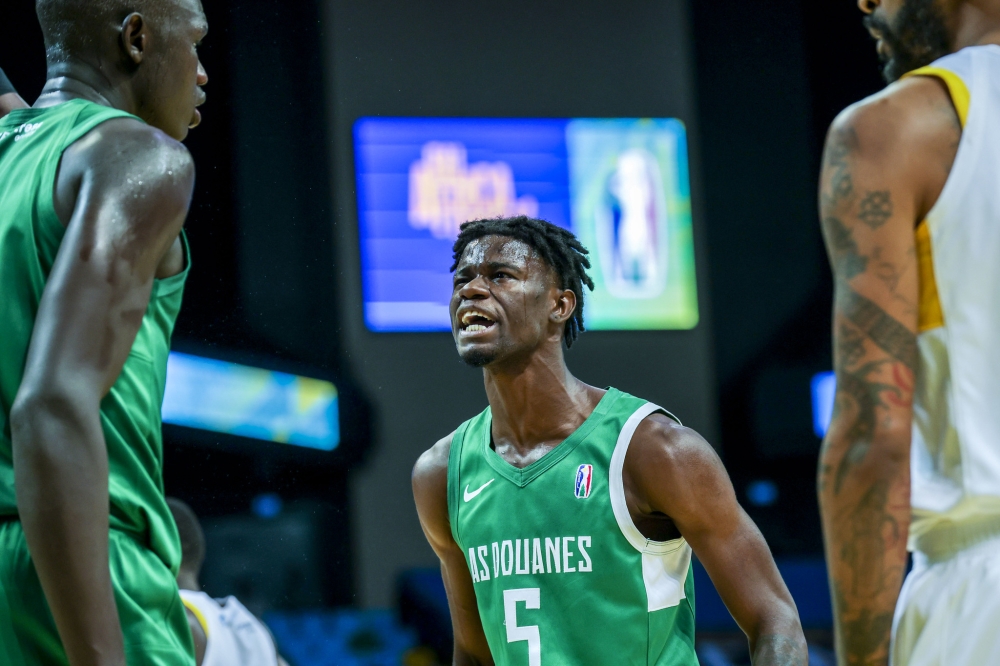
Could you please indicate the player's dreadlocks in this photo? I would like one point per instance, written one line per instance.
(558, 247)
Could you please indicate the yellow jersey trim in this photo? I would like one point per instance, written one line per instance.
(959, 92)
(197, 613)
(929, 313)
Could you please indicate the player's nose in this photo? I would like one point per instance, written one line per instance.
(476, 288)
(202, 74)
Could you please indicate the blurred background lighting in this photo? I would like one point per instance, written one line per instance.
(824, 388)
(762, 492)
(235, 399)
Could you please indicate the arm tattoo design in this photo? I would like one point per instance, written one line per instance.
(865, 513)
(841, 185)
(848, 262)
(869, 524)
(879, 326)
(869, 631)
(875, 208)
(855, 388)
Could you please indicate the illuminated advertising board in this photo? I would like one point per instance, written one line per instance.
(621, 185)
(208, 394)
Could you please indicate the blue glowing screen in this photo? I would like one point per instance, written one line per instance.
(251, 402)
(824, 389)
(620, 184)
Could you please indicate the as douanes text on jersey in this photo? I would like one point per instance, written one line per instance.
(530, 556)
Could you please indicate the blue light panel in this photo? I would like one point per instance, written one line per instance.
(620, 184)
(824, 388)
(251, 402)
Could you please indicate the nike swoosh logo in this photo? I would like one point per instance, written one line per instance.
(471, 496)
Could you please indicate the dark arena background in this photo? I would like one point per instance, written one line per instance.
(325, 544)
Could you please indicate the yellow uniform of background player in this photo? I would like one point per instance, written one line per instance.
(910, 200)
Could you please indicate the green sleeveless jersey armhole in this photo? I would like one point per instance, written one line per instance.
(454, 487)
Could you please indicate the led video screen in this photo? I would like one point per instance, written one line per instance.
(235, 399)
(621, 185)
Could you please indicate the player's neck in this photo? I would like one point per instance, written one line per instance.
(186, 580)
(976, 26)
(80, 80)
(537, 400)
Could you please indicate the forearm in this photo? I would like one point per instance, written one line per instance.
(779, 641)
(780, 650)
(865, 525)
(61, 469)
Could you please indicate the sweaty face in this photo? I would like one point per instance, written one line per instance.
(174, 74)
(502, 300)
(910, 34)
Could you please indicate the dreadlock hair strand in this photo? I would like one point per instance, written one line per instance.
(557, 247)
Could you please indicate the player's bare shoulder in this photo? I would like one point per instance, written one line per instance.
(673, 470)
(911, 127)
(430, 491)
(661, 445)
(432, 466)
(140, 164)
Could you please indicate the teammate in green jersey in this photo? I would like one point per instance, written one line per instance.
(95, 188)
(565, 515)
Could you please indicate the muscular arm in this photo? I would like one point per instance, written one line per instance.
(670, 470)
(10, 102)
(430, 491)
(129, 188)
(9, 99)
(885, 163)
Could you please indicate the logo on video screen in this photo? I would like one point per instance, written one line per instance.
(445, 190)
(630, 229)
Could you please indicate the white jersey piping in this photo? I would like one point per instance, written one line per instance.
(665, 564)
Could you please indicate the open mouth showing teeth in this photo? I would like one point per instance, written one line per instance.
(474, 321)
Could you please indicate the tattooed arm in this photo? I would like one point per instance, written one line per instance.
(885, 163)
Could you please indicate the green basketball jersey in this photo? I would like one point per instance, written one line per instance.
(562, 575)
(32, 142)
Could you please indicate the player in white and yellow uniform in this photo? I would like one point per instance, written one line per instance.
(910, 206)
(225, 633)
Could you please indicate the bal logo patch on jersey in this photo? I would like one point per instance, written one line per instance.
(584, 476)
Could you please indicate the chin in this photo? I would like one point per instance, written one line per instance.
(478, 358)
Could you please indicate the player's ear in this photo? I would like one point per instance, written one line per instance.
(134, 37)
(564, 307)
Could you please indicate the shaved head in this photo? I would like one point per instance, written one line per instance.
(142, 54)
(82, 28)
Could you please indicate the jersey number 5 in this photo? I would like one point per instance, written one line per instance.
(530, 597)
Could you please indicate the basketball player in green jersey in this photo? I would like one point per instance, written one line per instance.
(565, 515)
(95, 188)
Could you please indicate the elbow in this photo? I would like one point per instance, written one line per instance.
(779, 638)
(882, 457)
(40, 412)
